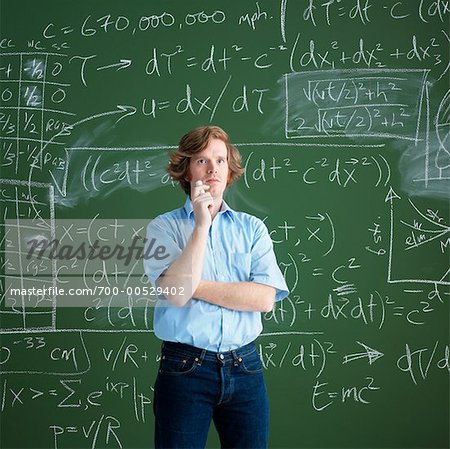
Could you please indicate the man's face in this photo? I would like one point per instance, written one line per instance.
(211, 167)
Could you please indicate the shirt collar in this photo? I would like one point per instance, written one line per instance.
(224, 208)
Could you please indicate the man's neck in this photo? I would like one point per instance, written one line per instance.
(217, 206)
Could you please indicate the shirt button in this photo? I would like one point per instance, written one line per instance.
(221, 356)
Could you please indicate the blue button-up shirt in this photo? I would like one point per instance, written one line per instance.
(239, 248)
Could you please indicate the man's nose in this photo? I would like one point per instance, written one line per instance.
(212, 168)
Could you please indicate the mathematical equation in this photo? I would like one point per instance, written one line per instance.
(366, 104)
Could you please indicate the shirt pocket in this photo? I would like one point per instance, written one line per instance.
(240, 265)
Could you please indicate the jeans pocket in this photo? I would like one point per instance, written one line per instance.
(251, 363)
(176, 364)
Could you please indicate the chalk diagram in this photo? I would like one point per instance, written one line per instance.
(33, 202)
(418, 243)
(420, 229)
(33, 96)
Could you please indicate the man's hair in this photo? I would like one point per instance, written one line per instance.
(196, 141)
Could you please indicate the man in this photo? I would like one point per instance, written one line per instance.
(220, 275)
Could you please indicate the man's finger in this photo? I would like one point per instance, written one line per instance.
(199, 183)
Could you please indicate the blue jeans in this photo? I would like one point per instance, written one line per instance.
(195, 386)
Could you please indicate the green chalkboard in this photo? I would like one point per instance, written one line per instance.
(341, 112)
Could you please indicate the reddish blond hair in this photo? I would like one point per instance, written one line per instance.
(196, 141)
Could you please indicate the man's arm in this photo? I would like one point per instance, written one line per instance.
(183, 276)
(243, 296)
(185, 272)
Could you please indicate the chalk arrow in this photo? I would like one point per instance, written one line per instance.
(130, 110)
(391, 195)
(123, 110)
(319, 217)
(371, 354)
(123, 64)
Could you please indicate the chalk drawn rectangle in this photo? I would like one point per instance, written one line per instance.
(45, 353)
(418, 245)
(355, 103)
(35, 201)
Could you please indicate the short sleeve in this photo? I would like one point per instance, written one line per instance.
(264, 267)
(161, 249)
